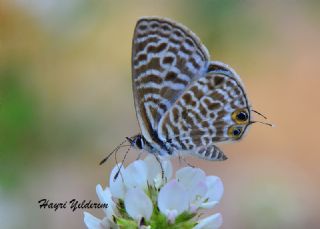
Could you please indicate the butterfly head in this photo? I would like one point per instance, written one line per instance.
(137, 141)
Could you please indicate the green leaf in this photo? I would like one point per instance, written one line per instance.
(184, 216)
(183, 225)
(183, 221)
(158, 220)
(126, 224)
(122, 210)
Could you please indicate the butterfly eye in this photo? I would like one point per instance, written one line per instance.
(235, 131)
(240, 116)
(139, 143)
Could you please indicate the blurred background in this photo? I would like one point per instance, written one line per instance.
(66, 101)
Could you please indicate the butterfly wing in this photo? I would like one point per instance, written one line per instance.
(166, 59)
(204, 114)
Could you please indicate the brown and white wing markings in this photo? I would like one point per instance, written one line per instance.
(202, 116)
(166, 59)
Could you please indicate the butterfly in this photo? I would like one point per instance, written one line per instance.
(185, 103)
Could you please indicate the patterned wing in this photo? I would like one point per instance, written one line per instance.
(213, 109)
(166, 59)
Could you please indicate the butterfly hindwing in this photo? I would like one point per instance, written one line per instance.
(166, 59)
(210, 153)
(202, 116)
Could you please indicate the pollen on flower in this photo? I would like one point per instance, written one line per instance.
(143, 198)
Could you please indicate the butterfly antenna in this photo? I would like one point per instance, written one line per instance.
(119, 167)
(259, 114)
(112, 152)
(265, 123)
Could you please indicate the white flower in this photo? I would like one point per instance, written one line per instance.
(117, 187)
(190, 177)
(197, 195)
(106, 197)
(204, 191)
(138, 174)
(211, 222)
(215, 191)
(138, 204)
(93, 222)
(173, 200)
(135, 175)
(155, 171)
(145, 186)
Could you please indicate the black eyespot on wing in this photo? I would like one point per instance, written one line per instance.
(243, 116)
(236, 132)
(240, 116)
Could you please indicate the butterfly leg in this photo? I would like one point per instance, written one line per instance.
(190, 165)
(181, 158)
(139, 156)
(159, 160)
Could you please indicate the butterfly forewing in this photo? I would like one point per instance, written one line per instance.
(166, 59)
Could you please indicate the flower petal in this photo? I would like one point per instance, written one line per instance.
(200, 190)
(93, 222)
(197, 195)
(209, 204)
(173, 196)
(153, 167)
(211, 222)
(190, 177)
(135, 175)
(138, 204)
(155, 171)
(117, 187)
(215, 188)
(106, 197)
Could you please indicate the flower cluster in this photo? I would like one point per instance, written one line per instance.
(141, 197)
